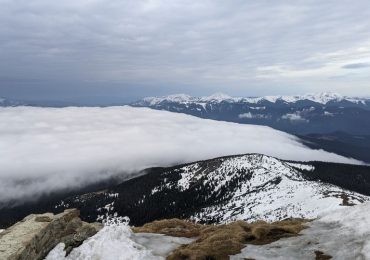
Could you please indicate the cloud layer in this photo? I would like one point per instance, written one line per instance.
(47, 149)
(356, 66)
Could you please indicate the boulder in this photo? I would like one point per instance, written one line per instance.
(37, 234)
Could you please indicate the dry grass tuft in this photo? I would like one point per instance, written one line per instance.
(171, 227)
(217, 242)
(321, 256)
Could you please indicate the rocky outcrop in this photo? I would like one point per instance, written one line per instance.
(36, 235)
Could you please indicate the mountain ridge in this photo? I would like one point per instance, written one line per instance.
(322, 98)
(225, 189)
(309, 117)
(220, 190)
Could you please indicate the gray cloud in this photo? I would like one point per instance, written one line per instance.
(356, 66)
(294, 117)
(134, 48)
(46, 149)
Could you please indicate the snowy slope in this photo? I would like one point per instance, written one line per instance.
(341, 234)
(267, 188)
(247, 187)
(118, 242)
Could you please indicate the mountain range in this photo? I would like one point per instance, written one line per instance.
(321, 113)
(321, 98)
(327, 121)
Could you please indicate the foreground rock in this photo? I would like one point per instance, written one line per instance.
(36, 235)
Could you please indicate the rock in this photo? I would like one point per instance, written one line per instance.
(36, 235)
(84, 231)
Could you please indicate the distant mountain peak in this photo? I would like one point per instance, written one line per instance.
(180, 96)
(177, 98)
(217, 97)
(324, 97)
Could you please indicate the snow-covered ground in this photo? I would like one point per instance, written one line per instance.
(118, 242)
(274, 190)
(342, 234)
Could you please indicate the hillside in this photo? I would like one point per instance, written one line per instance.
(247, 187)
(251, 187)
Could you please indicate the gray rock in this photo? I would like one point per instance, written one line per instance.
(36, 235)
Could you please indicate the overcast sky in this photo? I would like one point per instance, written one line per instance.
(119, 50)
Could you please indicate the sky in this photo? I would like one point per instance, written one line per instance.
(122, 50)
(50, 149)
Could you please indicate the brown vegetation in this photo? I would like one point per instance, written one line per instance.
(171, 227)
(321, 256)
(217, 242)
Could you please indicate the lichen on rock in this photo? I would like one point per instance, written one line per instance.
(37, 234)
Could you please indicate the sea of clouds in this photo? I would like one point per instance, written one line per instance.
(49, 149)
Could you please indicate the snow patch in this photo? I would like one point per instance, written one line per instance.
(257, 108)
(305, 167)
(342, 234)
(249, 115)
(117, 241)
(326, 113)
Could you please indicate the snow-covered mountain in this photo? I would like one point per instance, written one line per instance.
(321, 98)
(318, 114)
(248, 187)
(259, 187)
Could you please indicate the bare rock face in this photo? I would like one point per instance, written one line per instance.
(36, 235)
